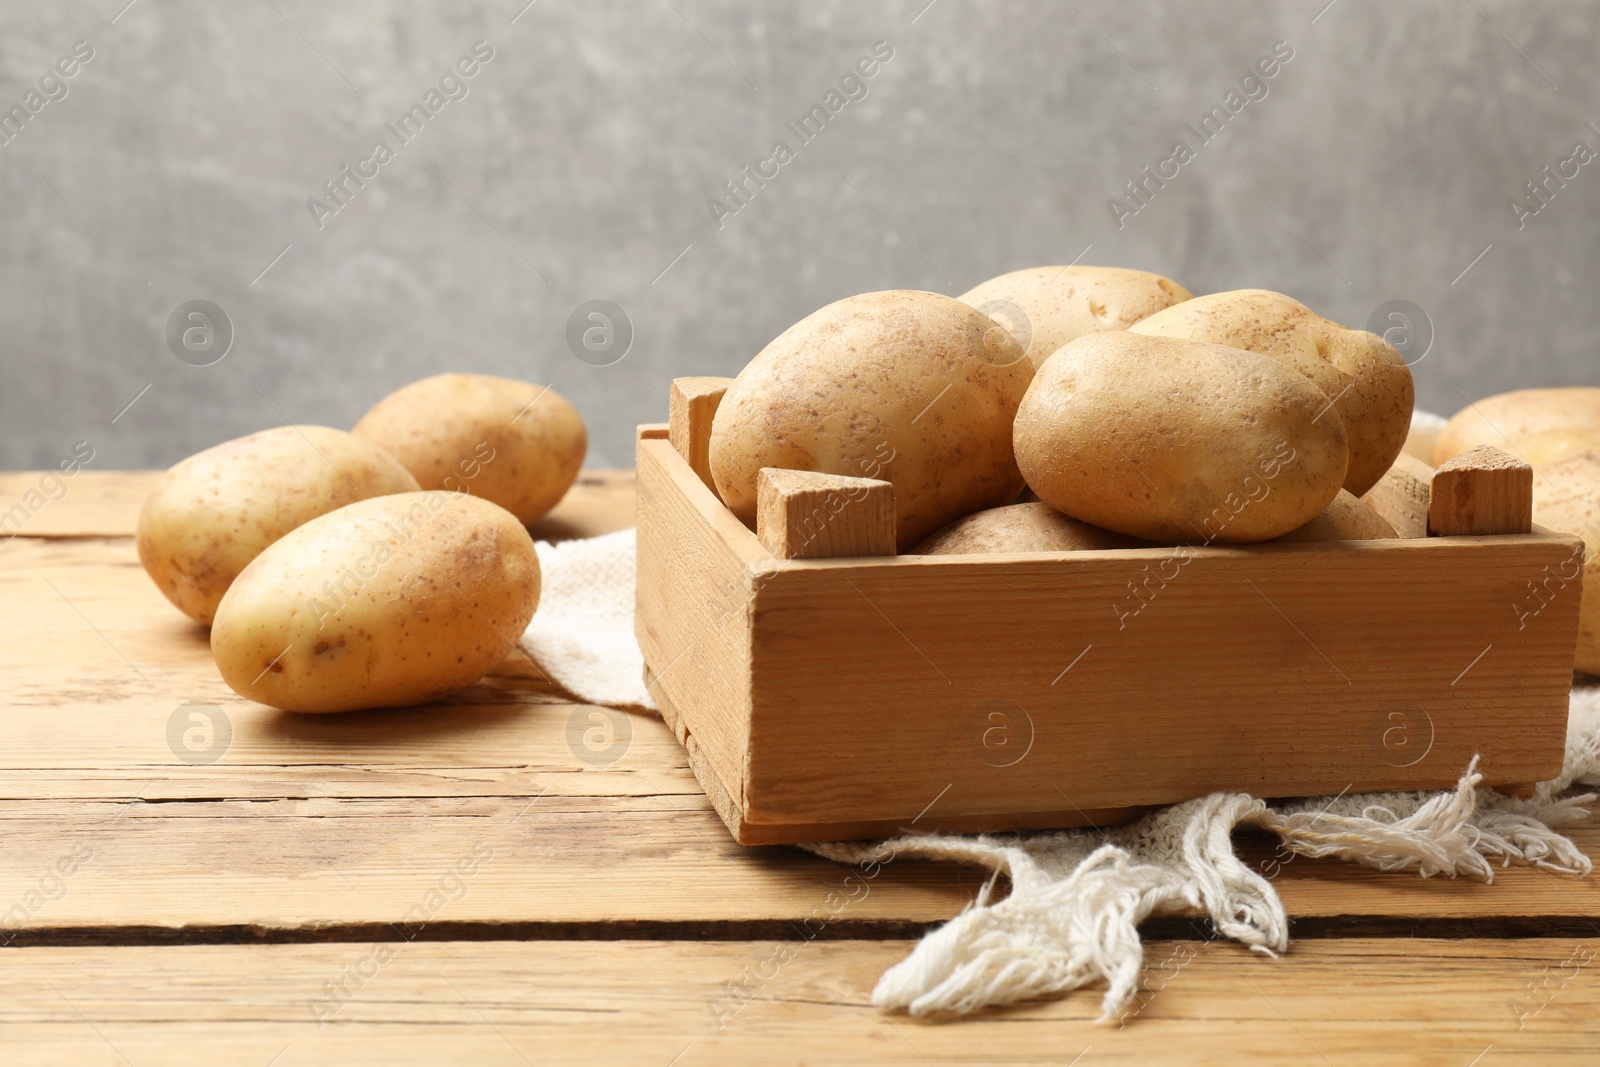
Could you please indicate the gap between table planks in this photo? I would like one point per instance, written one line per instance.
(621, 889)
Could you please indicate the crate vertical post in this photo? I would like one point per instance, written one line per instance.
(690, 409)
(1483, 491)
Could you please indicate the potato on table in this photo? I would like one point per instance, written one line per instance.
(399, 600)
(1175, 440)
(514, 443)
(1566, 498)
(1362, 374)
(1548, 446)
(1061, 304)
(1506, 419)
(913, 388)
(214, 512)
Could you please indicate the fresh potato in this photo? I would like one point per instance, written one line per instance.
(394, 601)
(1566, 498)
(1060, 304)
(1401, 496)
(1425, 430)
(1022, 528)
(516, 444)
(1546, 446)
(1367, 380)
(1505, 419)
(1346, 519)
(213, 513)
(914, 388)
(1175, 440)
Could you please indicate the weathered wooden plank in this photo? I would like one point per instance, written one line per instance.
(380, 794)
(1359, 1003)
(289, 858)
(106, 504)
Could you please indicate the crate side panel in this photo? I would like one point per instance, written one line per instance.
(691, 617)
(1111, 682)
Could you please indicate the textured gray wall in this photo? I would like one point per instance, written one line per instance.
(1379, 165)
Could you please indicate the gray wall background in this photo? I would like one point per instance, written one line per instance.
(1378, 167)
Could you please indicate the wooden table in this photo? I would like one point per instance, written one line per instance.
(469, 883)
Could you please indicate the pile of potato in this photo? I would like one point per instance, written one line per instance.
(1558, 432)
(386, 566)
(1133, 412)
(1126, 412)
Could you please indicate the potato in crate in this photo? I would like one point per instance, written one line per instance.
(833, 675)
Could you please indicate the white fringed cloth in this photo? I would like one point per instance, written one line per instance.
(1077, 897)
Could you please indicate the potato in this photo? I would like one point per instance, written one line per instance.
(910, 387)
(1022, 528)
(518, 445)
(1175, 440)
(1504, 419)
(1566, 498)
(1547, 446)
(1367, 380)
(394, 601)
(1425, 430)
(214, 512)
(1061, 304)
(1346, 519)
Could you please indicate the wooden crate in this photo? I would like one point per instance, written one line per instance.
(837, 698)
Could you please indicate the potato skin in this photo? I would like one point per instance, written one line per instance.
(1504, 419)
(1367, 380)
(1346, 519)
(1566, 498)
(914, 388)
(478, 434)
(1178, 441)
(1548, 446)
(213, 513)
(1030, 527)
(388, 602)
(1065, 303)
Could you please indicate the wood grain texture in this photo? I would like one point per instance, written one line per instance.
(336, 830)
(1482, 491)
(107, 503)
(692, 404)
(1357, 1002)
(695, 572)
(1401, 496)
(374, 797)
(295, 802)
(807, 515)
(1276, 671)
